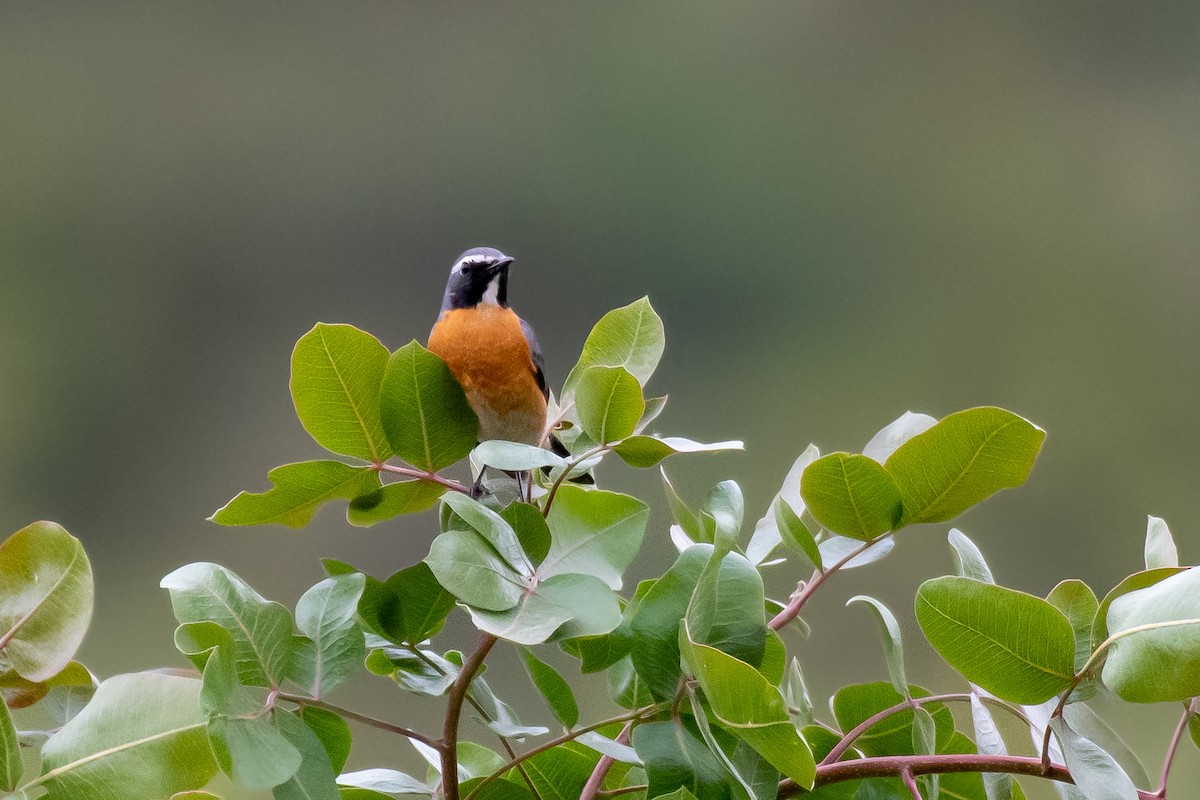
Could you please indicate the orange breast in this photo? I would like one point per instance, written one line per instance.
(486, 351)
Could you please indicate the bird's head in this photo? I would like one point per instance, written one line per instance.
(478, 277)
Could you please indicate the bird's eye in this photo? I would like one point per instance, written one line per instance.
(464, 269)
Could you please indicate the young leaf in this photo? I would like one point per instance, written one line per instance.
(964, 459)
(261, 630)
(516, 457)
(1078, 604)
(896, 433)
(1016, 646)
(795, 694)
(425, 413)
(562, 607)
(609, 403)
(1160, 546)
(1157, 658)
(336, 376)
(140, 738)
(767, 536)
(387, 782)
(557, 691)
(392, 500)
(333, 647)
(893, 646)
(968, 559)
(648, 451)
(314, 780)
(45, 600)
(684, 516)
(851, 495)
(594, 533)
(675, 759)
(989, 742)
(794, 532)
(749, 707)
(630, 337)
(834, 548)
(11, 767)
(299, 489)
(1095, 772)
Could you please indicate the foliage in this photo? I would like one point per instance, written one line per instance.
(707, 702)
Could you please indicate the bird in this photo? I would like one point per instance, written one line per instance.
(492, 353)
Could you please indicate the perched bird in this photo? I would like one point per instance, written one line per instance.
(491, 351)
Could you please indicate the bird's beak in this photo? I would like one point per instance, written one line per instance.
(501, 265)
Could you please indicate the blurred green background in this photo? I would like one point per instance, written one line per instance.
(842, 210)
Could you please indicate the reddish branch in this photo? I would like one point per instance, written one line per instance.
(454, 704)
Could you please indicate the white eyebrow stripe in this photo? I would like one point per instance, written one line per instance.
(472, 260)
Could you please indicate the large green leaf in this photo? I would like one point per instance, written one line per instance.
(332, 647)
(1078, 604)
(1138, 580)
(675, 758)
(141, 738)
(594, 533)
(631, 337)
(609, 403)
(425, 414)
(893, 735)
(11, 767)
(726, 608)
(261, 630)
(299, 489)
(655, 623)
(391, 500)
(561, 772)
(410, 606)
(562, 607)
(747, 706)
(336, 375)
(332, 731)
(515, 457)
(851, 495)
(314, 780)
(493, 528)
(45, 600)
(470, 569)
(252, 752)
(962, 460)
(1157, 657)
(1017, 646)
(553, 687)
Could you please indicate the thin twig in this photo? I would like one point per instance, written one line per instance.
(805, 590)
(595, 451)
(308, 702)
(454, 704)
(596, 779)
(1176, 738)
(911, 783)
(422, 475)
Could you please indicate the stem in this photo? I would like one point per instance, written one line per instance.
(423, 475)
(454, 704)
(595, 451)
(910, 783)
(842, 746)
(895, 766)
(308, 702)
(621, 791)
(596, 781)
(805, 590)
(566, 737)
(1173, 747)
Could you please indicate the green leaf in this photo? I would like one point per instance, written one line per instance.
(428, 674)
(1086, 723)
(1138, 580)
(1157, 657)
(1078, 604)
(968, 559)
(562, 607)
(774, 659)
(795, 694)
(141, 738)
(516, 457)
(655, 623)
(315, 778)
(648, 451)
(299, 489)
(261, 630)
(388, 782)
(964, 459)
(391, 500)
(895, 433)
(1160, 545)
(795, 533)
(333, 647)
(767, 535)
(493, 528)
(722, 513)
(676, 759)
(854, 704)
(609, 403)
(749, 707)
(726, 608)
(893, 646)
(11, 767)
(1016, 646)
(989, 742)
(684, 516)
(594, 533)
(1095, 772)
(714, 747)
(425, 413)
(252, 752)
(470, 569)
(221, 694)
(631, 337)
(336, 376)
(410, 606)
(561, 772)
(332, 731)
(553, 687)
(851, 495)
(531, 528)
(45, 600)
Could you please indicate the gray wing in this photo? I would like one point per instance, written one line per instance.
(539, 363)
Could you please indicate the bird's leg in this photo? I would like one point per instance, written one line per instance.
(477, 487)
